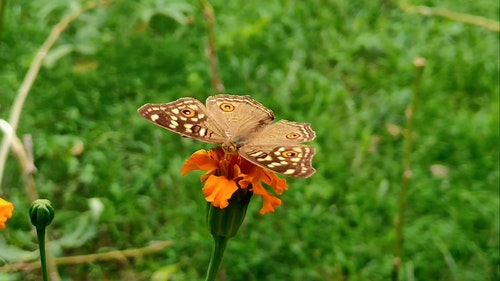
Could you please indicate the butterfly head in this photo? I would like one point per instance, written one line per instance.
(233, 145)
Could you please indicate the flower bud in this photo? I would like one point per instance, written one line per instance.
(41, 213)
(226, 222)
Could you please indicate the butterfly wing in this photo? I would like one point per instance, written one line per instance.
(278, 147)
(284, 132)
(289, 160)
(238, 116)
(185, 116)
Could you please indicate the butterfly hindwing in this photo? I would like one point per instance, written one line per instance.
(289, 160)
(278, 147)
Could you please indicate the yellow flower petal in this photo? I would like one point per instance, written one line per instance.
(6, 209)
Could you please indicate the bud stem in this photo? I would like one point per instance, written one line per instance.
(40, 232)
(41, 215)
(220, 243)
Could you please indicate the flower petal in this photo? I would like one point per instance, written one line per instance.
(268, 201)
(218, 190)
(271, 179)
(6, 209)
(200, 160)
(226, 173)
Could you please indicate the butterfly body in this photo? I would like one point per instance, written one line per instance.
(240, 125)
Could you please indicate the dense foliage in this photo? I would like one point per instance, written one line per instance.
(344, 66)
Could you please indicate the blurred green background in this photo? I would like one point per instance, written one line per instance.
(344, 66)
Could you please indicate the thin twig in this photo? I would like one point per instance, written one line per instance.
(30, 77)
(112, 255)
(24, 159)
(208, 13)
(28, 145)
(419, 64)
(30, 169)
(465, 18)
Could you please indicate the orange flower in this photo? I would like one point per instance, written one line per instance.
(6, 209)
(229, 173)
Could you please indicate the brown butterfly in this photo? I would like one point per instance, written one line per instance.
(240, 125)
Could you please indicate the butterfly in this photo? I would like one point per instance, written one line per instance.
(240, 125)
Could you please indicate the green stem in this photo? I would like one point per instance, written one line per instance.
(40, 232)
(419, 64)
(220, 243)
(208, 13)
(3, 5)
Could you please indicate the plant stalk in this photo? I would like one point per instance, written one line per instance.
(40, 232)
(419, 64)
(208, 13)
(220, 243)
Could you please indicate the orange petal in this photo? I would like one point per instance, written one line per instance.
(245, 182)
(268, 201)
(200, 160)
(271, 179)
(250, 179)
(218, 190)
(6, 209)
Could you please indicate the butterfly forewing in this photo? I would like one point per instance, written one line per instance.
(284, 132)
(239, 116)
(185, 116)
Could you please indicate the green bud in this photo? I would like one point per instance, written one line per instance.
(226, 222)
(41, 213)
